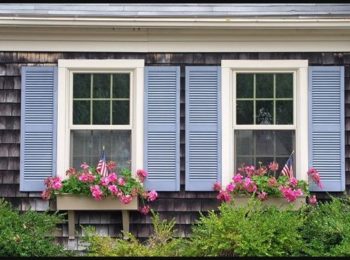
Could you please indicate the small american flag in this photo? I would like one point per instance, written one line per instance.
(102, 166)
(288, 167)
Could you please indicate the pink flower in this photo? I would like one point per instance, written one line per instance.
(145, 209)
(261, 171)
(315, 176)
(262, 195)
(84, 165)
(96, 192)
(217, 186)
(237, 178)
(71, 172)
(121, 182)
(104, 181)
(152, 195)
(46, 194)
(273, 166)
(313, 200)
(272, 182)
(141, 174)
(289, 194)
(87, 177)
(249, 185)
(119, 194)
(54, 183)
(293, 181)
(113, 189)
(224, 196)
(230, 187)
(126, 199)
(249, 170)
(112, 177)
(111, 165)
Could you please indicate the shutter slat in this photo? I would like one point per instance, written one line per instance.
(162, 128)
(203, 135)
(38, 126)
(326, 126)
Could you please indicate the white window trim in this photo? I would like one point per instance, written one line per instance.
(64, 118)
(300, 68)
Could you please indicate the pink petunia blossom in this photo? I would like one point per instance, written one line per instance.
(111, 165)
(141, 174)
(217, 186)
(145, 209)
(126, 199)
(293, 181)
(112, 177)
(273, 166)
(87, 177)
(261, 171)
(121, 182)
(249, 170)
(96, 192)
(272, 182)
(224, 196)
(249, 185)
(230, 187)
(113, 189)
(315, 176)
(152, 195)
(71, 171)
(104, 181)
(313, 200)
(262, 195)
(46, 194)
(84, 165)
(289, 194)
(238, 178)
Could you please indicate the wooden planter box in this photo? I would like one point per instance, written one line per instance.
(281, 203)
(71, 203)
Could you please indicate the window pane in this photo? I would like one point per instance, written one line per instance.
(87, 147)
(284, 85)
(81, 85)
(81, 112)
(264, 112)
(245, 112)
(245, 85)
(101, 110)
(284, 112)
(264, 85)
(101, 85)
(264, 146)
(121, 85)
(120, 112)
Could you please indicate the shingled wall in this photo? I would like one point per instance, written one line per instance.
(183, 206)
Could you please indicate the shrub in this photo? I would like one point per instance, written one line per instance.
(253, 230)
(326, 231)
(161, 243)
(28, 234)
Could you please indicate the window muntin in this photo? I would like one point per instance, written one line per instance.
(264, 98)
(264, 128)
(101, 117)
(101, 98)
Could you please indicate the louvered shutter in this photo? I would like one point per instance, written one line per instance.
(38, 126)
(203, 135)
(326, 126)
(162, 128)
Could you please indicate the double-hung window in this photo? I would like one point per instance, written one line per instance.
(97, 110)
(266, 106)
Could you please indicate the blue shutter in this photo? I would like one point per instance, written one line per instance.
(326, 126)
(38, 126)
(203, 122)
(162, 128)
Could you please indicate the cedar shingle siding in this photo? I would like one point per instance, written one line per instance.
(184, 206)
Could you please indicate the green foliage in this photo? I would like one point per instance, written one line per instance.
(326, 231)
(161, 243)
(28, 234)
(247, 231)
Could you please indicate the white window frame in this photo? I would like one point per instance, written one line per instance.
(66, 68)
(230, 68)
